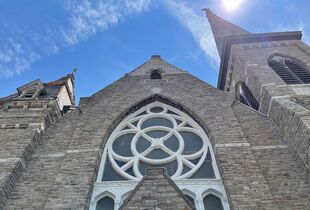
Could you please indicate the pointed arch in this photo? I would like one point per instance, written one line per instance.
(245, 96)
(290, 69)
(156, 135)
(156, 106)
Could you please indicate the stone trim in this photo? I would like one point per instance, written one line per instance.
(270, 147)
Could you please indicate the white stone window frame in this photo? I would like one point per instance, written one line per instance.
(196, 188)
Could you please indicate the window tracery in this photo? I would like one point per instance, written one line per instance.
(158, 135)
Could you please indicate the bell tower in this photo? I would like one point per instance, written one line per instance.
(269, 72)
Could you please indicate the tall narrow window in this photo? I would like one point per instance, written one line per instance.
(245, 96)
(212, 202)
(105, 203)
(289, 69)
(157, 135)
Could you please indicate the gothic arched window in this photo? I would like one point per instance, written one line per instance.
(157, 135)
(291, 70)
(155, 74)
(245, 96)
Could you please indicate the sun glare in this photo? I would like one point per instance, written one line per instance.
(232, 4)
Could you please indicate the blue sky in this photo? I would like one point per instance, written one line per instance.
(107, 38)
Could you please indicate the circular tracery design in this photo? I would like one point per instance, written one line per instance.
(157, 135)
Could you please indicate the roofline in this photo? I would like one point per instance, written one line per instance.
(249, 38)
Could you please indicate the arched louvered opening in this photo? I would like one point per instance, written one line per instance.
(245, 96)
(105, 203)
(212, 202)
(291, 70)
(155, 74)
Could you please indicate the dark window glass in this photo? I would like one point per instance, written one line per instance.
(142, 144)
(212, 202)
(157, 134)
(172, 143)
(121, 145)
(171, 167)
(156, 121)
(206, 170)
(109, 174)
(130, 171)
(105, 203)
(157, 154)
(171, 112)
(192, 142)
(156, 109)
(185, 169)
(155, 75)
(191, 200)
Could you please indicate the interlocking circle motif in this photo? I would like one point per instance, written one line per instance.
(157, 135)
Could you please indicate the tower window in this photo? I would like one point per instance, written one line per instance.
(289, 69)
(155, 74)
(245, 96)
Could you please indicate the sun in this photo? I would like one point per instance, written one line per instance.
(232, 4)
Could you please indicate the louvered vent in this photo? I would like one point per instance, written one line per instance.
(289, 70)
(245, 96)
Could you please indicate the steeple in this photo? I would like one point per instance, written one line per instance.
(222, 28)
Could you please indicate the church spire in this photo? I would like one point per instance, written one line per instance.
(222, 28)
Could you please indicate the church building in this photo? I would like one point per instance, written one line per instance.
(161, 139)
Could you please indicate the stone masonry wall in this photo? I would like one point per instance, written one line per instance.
(21, 131)
(156, 190)
(62, 171)
(283, 171)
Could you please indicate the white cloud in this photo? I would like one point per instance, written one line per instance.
(86, 17)
(197, 24)
(90, 16)
(299, 27)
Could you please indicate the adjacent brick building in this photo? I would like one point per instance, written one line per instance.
(159, 138)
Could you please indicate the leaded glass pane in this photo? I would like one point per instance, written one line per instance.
(192, 142)
(157, 133)
(185, 169)
(109, 174)
(171, 167)
(156, 121)
(157, 154)
(212, 202)
(172, 143)
(105, 203)
(142, 144)
(156, 109)
(206, 170)
(122, 145)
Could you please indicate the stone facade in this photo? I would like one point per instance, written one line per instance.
(49, 159)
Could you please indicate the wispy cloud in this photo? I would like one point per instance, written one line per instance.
(85, 18)
(197, 24)
(299, 27)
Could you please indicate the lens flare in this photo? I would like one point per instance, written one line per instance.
(232, 4)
